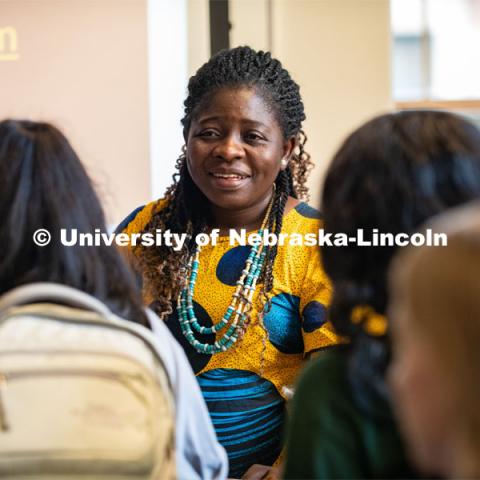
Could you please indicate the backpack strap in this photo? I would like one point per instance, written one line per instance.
(54, 293)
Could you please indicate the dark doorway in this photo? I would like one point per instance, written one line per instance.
(219, 26)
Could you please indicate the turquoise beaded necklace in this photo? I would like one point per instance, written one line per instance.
(233, 321)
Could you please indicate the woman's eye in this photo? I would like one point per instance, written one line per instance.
(207, 133)
(254, 137)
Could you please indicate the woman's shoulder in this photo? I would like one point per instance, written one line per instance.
(302, 217)
(139, 218)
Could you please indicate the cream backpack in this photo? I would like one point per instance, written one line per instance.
(83, 394)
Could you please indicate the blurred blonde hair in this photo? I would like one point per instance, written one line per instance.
(441, 288)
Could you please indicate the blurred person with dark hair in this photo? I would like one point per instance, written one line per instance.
(45, 186)
(391, 174)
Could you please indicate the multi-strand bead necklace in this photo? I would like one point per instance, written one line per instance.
(233, 321)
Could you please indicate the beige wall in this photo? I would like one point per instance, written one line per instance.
(198, 34)
(82, 64)
(250, 23)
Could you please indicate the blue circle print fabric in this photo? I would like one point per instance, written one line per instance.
(314, 316)
(307, 211)
(230, 266)
(284, 325)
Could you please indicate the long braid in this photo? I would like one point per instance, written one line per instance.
(275, 224)
(282, 192)
(186, 209)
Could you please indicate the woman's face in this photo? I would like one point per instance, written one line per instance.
(421, 394)
(235, 149)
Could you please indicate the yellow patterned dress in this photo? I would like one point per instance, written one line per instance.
(247, 402)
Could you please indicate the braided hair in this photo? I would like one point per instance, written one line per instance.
(186, 209)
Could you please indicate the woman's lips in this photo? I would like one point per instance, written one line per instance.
(228, 181)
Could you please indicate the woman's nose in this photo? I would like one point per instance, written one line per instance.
(229, 148)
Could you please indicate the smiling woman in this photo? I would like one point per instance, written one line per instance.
(247, 316)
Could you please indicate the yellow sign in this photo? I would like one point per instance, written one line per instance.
(8, 44)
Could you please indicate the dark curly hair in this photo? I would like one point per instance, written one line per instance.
(393, 173)
(187, 208)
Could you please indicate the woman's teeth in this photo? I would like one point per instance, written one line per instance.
(228, 175)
